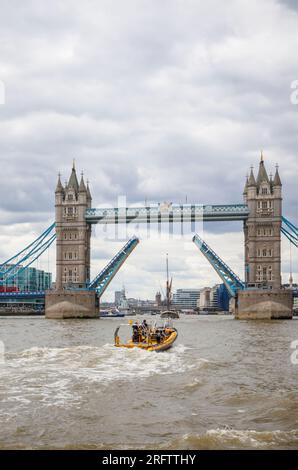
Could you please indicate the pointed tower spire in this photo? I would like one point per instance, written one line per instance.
(59, 187)
(246, 185)
(262, 175)
(88, 192)
(251, 179)
(277, 180)
(271, 182)
(82, 187)
(73, 180)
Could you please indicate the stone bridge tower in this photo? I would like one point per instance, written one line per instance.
(262, 232)
(73, 233)
(70, 298)
(264, 297)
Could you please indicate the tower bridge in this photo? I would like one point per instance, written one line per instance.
(259, 295)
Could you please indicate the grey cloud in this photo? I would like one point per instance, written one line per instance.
(290, 3)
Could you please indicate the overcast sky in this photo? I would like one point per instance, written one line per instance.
(155, 100)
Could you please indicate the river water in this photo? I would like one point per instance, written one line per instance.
(226, 384)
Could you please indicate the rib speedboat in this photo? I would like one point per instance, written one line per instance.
(156, 338)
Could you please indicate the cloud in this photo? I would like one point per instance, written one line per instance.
(290, 3)
(155, 100)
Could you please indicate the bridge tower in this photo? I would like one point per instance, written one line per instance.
(73, 233)
(70, 298)
(264, 297)
(262, 229)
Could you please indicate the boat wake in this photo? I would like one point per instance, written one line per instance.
(58, 375)
(216, 439)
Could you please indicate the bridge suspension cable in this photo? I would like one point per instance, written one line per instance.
(24, 258)
(290, 225)
(290, 231)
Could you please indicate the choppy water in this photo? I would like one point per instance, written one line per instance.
(226, 384)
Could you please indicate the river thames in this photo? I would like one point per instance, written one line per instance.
(226, 384)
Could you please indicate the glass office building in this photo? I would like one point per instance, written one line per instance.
(28, 279)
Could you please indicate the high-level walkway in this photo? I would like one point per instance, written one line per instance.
(171, 212)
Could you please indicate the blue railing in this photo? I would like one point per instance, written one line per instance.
(167, 212)
(22, 295)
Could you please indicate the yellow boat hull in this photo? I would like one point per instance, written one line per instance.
(152, 345)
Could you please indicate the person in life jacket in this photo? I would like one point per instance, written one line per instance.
(135, 332)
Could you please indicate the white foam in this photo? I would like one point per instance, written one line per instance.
(105, 362)
(252, 438)
(238, 439)
(48, 374)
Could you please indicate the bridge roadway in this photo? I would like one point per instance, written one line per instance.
(167, 212)
(24, 295)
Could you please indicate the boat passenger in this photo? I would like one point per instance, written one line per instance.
(145, 327)
(135, 332)
(158, 336)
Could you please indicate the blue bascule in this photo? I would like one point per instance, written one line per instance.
(230, 279)
(102, 280)
(232, 282)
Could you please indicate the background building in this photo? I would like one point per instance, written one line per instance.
(186, 298)
(158, 300)
(27, 279)
(223, 297)
(119, 295)
(207, 298)
(214, 298)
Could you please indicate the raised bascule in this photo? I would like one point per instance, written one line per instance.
(259, 295)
